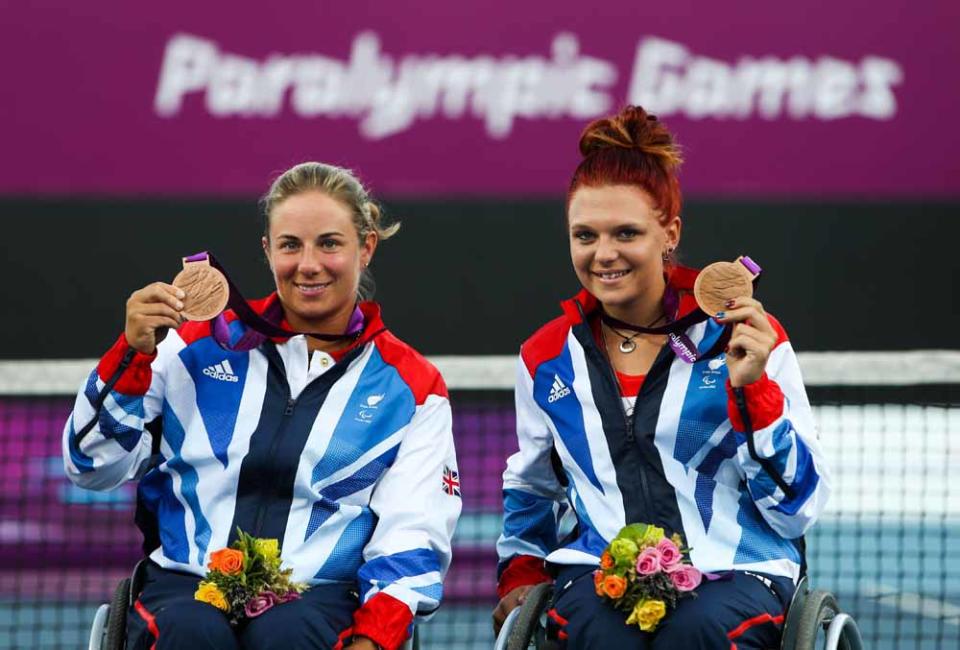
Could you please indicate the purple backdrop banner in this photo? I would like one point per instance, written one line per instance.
(807, 99)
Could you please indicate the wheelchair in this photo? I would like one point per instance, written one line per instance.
(109, 629)
(810, 612)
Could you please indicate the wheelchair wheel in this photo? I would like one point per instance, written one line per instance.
(819, 610)
(528, 619)
(117, 618)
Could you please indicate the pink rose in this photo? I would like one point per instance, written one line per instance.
(259, 604)
(648, 562)
(685, 577)
(289, 596)
(669, 553)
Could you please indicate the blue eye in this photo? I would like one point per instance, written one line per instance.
(329, 243)
(289, 244)
(584, 236)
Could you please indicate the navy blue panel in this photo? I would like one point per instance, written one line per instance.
(268, 471)
(647, 495)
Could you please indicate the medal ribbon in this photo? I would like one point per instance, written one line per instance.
(675, 330)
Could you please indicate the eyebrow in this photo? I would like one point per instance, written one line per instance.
(334, 233)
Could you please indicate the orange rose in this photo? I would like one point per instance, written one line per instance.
(606, 561)
(226, 560)
(614, 586)
(598, 582)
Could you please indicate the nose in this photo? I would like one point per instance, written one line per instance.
(607, 251)
(309, 263)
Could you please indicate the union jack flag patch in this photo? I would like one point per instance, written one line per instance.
(451, 482)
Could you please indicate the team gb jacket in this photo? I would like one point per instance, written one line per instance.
(348, 461)
(685, 460)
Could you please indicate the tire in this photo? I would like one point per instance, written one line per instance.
(818, 611)
(529, 617)
(117, 618)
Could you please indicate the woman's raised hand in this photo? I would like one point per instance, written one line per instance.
(752, 340)
(151, 311)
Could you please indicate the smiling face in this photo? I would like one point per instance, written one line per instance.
(316, 256)
(617, 243)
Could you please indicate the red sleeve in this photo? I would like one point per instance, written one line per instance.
(383, 619)
(764, 403)
(135, 380)
(522, 570)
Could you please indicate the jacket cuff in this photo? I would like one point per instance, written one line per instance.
(384, 620)
(764, 404)
(521, 571)
(136, 378)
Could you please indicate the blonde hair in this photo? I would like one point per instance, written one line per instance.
(341, 185)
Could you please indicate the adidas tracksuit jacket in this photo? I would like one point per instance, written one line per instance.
(349, 462)
(683, 462)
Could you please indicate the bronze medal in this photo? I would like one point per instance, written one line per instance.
(206, 288)
(720, 282)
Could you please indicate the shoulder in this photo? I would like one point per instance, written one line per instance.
(419, 374)
(545, 344)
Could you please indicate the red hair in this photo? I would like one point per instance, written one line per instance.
(631, 148)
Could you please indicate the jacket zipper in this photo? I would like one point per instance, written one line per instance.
(265, 501)
(629, 425)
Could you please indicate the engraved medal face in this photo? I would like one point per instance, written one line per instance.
(719, 282)
(206, 288)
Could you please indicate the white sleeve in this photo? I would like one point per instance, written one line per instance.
(105, 441)
(417, 502)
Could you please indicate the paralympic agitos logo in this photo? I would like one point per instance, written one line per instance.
(389, 94)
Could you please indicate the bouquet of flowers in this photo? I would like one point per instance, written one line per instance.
(245, 580)
(644, 572)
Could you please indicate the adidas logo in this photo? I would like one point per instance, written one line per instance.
(559, 390)
(221, 371)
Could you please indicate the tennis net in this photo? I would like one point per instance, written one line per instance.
(888, 545)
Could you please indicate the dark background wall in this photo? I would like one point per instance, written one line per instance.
(478, 276)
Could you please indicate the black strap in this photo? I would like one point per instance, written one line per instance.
(102, 396)
(255, 321)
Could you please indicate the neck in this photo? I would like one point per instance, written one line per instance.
(333, 324)
(644, 311)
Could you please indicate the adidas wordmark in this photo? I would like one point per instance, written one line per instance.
(221, 371)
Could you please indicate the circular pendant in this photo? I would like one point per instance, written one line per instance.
(206, 288)
(627, 346)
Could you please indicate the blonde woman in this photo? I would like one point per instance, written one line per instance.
(337, 445)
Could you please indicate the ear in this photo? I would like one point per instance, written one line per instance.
(266, 250)
(367, 247)
(672, 230)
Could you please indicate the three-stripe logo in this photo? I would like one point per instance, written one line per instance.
(559, 390)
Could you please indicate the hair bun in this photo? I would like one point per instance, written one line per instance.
(632, 128)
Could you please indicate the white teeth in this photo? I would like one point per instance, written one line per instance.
(612, 276)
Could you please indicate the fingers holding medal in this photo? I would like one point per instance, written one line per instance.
(199, 292)
(725, 291)
(151, 311)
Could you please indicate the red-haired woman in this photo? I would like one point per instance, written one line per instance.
(628, 413)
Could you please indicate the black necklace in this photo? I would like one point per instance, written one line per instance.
(627, 345)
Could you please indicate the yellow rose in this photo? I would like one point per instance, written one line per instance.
(269, 549)
(647, 614)
(653, 535)
(209, 593)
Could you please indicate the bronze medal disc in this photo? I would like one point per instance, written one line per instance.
(206, 288)
(720, 282)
